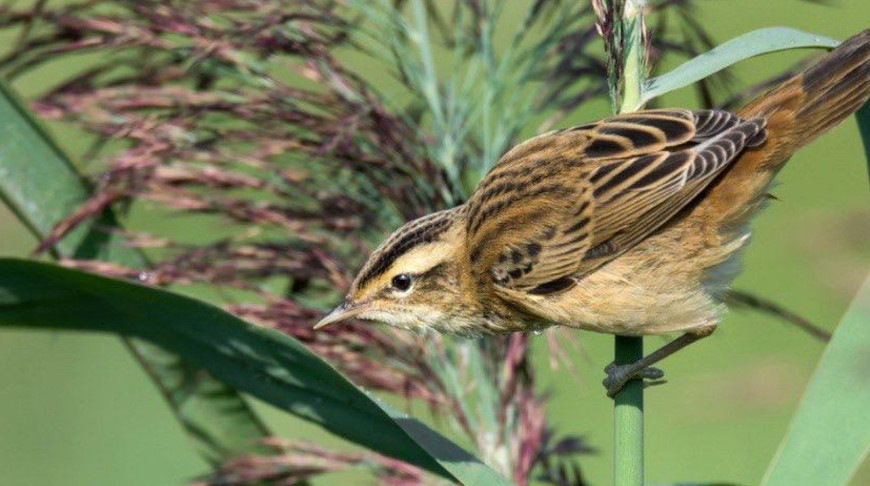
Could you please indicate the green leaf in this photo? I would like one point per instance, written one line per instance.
(40, 184)
(262, 362)
(757, 42)
(829, 435)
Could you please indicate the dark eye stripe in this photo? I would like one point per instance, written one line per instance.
(424, 230)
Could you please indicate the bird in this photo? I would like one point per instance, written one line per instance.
(632, 225)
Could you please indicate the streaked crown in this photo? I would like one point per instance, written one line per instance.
(415, 247)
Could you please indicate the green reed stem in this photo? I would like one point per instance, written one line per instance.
(634, 70)
(628, 419)
(628, 456)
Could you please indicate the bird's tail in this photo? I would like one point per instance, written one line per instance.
(797, 111)
(821, 96)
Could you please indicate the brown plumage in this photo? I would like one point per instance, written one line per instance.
(631, 225)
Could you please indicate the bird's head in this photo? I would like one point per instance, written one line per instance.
(411, 280)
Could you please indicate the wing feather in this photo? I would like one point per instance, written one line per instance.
(562, 204)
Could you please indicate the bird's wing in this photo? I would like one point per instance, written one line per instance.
(564, 203)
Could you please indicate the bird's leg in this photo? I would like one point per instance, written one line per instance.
(619, 375)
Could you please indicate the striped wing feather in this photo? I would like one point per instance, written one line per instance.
(564, 203)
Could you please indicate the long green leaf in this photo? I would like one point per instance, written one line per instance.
(41, 186)
(262, 362)
(749, 45)
(829, 435)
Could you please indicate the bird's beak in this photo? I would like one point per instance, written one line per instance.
(343, 312)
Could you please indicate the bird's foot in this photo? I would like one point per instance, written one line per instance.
(619, 375)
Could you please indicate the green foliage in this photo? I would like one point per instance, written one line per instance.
(829, 435)
(262, 362)
(40, 184)
(469, 123)
(307, 164)
(756, 43)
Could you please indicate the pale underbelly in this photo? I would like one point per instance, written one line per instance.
(636, 295)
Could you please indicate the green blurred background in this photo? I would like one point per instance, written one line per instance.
(76, 410)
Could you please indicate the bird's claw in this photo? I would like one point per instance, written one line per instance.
(619, 375)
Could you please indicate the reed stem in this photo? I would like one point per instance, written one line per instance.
(628, 458)
(634, 69)
(628, 419)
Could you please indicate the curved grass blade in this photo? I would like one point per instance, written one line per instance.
(265, 363)
(40, 184)
(829, 435)
(755, 43)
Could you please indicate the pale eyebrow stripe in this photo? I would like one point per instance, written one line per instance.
(423, 232)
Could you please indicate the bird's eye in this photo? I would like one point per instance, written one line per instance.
(402, 282)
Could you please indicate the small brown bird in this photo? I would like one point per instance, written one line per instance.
(632, 225)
